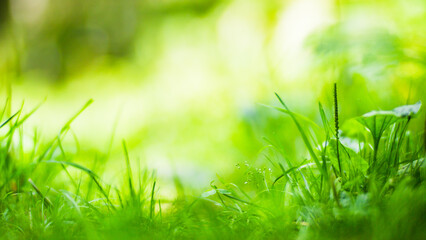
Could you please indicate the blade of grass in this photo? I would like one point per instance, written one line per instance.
(46, 200)
(9, 119)
(92, 175)
(152, 206)
(67, 124)
(129, 171)
(304, 136)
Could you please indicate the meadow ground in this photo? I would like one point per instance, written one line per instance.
(363, 179)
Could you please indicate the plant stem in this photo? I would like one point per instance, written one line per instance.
(336, 125)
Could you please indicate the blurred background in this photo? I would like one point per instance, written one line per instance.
(184, 81)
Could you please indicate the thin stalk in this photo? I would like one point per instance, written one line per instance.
(424, 138)
(336, 125)
(152, 207)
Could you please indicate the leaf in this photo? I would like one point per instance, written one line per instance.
(45, 199)
(224, 191)
(299, 117)
(8, 120)
(378, 121)
(353, 144)
(407, 110)
(349, 155)
(208, 193)
(214, 191)
(75, 165)
(303, 134)
(67, 125)
(353, 129)
(92, 175)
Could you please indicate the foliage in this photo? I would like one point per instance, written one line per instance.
(376, 193)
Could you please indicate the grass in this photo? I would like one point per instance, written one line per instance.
(364, 184)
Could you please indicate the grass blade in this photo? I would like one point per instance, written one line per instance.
(129, 171)
(304, 136)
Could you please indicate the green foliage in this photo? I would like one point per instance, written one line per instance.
(378, 122)
(307, 199)
(352, 203)
(185, 71)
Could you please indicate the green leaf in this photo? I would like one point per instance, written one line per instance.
(214, 191)
(8, 120)
(303, 134)
(348, 154)
(408, 110)
(224, 191)
(208, 193)
(378, 121)
(75, 165)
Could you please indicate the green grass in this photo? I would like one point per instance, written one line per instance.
(363, 179)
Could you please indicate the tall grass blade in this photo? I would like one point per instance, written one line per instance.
(304, 136)
(92, 175)
(129, 171)
(46, 200)
(67, 124)
(152, 206)
(9, 119)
